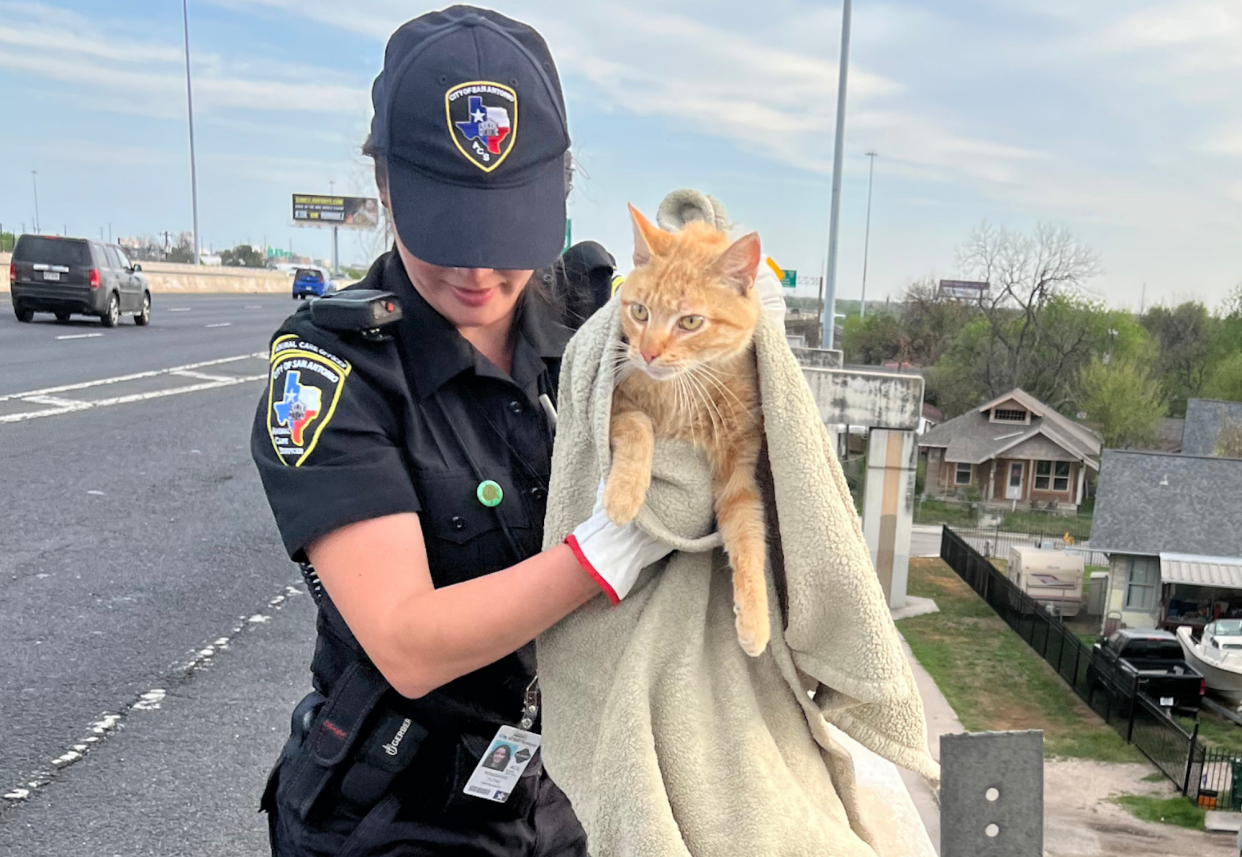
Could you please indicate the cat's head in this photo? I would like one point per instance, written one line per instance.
(690, 299)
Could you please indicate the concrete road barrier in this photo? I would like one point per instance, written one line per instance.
(172, 278)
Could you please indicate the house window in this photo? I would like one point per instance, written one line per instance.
(1008, 415)
(962, 476)
(1060, 482)
(1043, 475)
(1054, 475)
(1142, 582)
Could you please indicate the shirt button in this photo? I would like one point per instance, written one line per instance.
(516, 407)
(457, 523)
(538, 493)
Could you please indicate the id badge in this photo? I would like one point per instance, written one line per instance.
(503, 763)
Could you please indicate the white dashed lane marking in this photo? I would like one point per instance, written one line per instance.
(221, 324)
(55, 405)
(178, 309)
(79, 336)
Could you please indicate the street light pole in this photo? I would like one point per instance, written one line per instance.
(862, 310)
(189, 100)
(34, 182)
(830, 302)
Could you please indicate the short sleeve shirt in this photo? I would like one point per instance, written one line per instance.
(349, 430)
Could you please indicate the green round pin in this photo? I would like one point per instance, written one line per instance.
(489, 493)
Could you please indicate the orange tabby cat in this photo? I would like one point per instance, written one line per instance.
(689, 311)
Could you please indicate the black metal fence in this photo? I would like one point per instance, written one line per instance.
(1110, 692)
(1219, 773)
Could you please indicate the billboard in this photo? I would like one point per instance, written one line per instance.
(347, 212)
(964, 289)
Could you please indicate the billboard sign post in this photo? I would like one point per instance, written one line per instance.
(348, 212)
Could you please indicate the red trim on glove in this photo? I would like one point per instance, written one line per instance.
(572, 541)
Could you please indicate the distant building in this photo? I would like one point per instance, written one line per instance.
(1208, 421)
(1169, 524)
(1015, 451)
(963, 290)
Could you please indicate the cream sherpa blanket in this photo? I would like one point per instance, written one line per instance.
(668, 739)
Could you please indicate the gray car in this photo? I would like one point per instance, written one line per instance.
(67, 276)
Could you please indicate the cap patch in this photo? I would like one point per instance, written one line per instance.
(306, 383)
(482, 119)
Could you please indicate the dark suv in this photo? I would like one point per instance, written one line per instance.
(75, 275)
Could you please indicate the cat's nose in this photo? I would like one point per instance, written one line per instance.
(650, 356)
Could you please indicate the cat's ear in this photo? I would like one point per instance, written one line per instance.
(737, 266)
(649, 240)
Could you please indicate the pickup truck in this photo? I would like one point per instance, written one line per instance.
(1154, 660)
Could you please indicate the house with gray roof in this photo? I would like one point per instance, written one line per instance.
(1015, 451)
(1171, 527)
(1207, 421)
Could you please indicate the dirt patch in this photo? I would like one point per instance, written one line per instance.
(1079, 820)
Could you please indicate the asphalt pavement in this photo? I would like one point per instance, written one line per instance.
(153, 635)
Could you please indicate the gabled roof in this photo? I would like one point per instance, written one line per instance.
(1152, 503)
(973, 438)
(1204, 420)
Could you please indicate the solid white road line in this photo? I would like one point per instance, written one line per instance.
(65, 388)
(201, 376)
(79, 336)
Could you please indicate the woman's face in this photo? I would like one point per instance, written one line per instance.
(467, 297)
(498, 756)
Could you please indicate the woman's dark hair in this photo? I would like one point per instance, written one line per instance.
(381, 166)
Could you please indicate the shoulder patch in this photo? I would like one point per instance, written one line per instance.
(304, 388)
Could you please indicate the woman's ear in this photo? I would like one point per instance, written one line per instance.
(649, 240)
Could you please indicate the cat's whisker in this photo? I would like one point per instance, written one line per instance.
(706, 372)
(709, 406)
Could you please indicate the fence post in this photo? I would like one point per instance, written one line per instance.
(1133, 706)
(1190, 759)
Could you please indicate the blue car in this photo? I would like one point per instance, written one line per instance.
(310, 282)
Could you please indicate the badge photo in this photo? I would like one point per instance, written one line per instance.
(482, 119)
(303, 391)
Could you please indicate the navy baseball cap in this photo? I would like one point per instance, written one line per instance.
(470, 121)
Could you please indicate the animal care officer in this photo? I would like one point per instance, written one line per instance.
(407, 468)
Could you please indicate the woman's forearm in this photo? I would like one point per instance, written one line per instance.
(443, 634)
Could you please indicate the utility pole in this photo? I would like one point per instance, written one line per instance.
(1143, 299)
(828, 319)
(34, 182)
(109, 233)
(862, 310)
(189, 100)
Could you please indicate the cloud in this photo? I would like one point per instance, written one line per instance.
(148, 76)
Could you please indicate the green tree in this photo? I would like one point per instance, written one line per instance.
(871, 340)
(7, 241)
(1226, 380)
(243, 256)
(1190, 342)
(1123, 400)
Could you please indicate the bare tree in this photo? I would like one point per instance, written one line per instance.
(1027, 273)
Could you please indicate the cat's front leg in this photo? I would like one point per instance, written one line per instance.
(739, 512)
(633, 445)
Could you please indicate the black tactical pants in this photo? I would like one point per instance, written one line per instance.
(425, 814)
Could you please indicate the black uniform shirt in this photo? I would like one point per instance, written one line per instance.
(352, 430)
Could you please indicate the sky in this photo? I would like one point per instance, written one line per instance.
(1120, 118)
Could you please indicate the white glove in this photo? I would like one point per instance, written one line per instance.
(613, 556)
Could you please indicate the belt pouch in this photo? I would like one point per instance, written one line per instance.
(333, 734)
(390, 746)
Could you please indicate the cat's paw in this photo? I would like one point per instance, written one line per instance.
(753, 631)
(622, 499)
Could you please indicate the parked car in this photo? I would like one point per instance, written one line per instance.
(67, 276)
(311, 282)
(1154, 660)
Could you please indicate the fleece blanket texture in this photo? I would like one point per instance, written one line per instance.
(666, 737)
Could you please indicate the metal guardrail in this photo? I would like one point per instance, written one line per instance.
(1110, 692)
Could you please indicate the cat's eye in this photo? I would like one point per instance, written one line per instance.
(691, 322)
(639, 312)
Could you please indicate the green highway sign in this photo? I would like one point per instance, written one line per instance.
(789, 279)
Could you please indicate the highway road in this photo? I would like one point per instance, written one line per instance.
(153, 636)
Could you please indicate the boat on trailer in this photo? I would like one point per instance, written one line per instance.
(1217, 653)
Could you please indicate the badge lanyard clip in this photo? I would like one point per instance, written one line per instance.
(530, 706)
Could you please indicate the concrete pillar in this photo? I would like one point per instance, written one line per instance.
(888, 507)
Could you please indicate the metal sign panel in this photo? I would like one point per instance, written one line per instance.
(967, 289)
(346, 212)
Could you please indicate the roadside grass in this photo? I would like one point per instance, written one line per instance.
(994, 680)
(939, 512)
(1154, 778)
(1052, 525)
(1178, 811)
(1215, 731)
